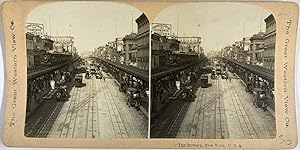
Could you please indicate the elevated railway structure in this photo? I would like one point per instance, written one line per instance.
(128, 77)
(205, 116)
(163, 81)
(256, 76)
(38, 81)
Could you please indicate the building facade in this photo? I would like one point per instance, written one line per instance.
(270, 41)
(63, 43)
(130, 49)
(161, 47)
(36, 47)
(142, 56)
(257, 49)
(190, 44)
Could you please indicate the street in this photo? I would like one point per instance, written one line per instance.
(224, 111)
(98, 110)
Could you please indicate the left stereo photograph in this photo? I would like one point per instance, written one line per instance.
(87, 71)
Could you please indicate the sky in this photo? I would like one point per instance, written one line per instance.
(219, 24)
(92, 24)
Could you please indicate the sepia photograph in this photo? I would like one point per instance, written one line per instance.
(87, 71)
(212, 72)
(150, 74)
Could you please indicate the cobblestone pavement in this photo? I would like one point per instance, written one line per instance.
(226, 111)
(98, 110)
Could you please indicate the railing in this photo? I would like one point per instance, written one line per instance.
(136, 72)
(163, 72)
(33, 73)
(263, 72)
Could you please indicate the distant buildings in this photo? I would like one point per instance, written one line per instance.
(227, 52)
(63, 43)
(190, 44)
(270, 40)
(132, 49)
(245, 50)
(257, 50)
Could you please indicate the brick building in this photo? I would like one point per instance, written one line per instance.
(142, 56)
(269, 40)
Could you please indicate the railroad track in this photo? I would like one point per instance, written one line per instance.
(89, 130)
(245, 123)
(177, 121)
(198, 115)
(215, 104)
(47, 125)
(66, 124)
(265, 131)
(161, 125)
(76, 113)
(120, 122)
(221, 131)
(135, 121)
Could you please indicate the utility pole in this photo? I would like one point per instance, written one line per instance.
(262, 12)
(244, 30)
(177, 25)
(132, 21)
(115, 29)
(197, 30)
(49, 25)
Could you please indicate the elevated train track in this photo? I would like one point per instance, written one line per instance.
(136, 72)
(129, 77)
(209, 114)
(263, 72)
(36, 72)
(157, 74)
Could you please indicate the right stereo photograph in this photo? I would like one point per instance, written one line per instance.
(212, 72)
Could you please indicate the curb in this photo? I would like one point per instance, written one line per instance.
(271, 111)
(240, 79)
(144, 111)
(117, 82)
